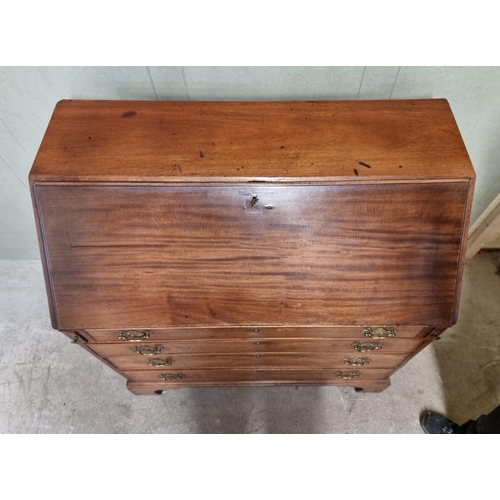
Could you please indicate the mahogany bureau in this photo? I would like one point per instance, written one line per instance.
(253, 243)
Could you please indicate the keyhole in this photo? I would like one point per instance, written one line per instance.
(254, 201)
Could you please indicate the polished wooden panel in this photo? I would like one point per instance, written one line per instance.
(209, 256)
(258, 377)
(256, 345)
(229, 333)
(257, 359)
(155, 389)
(226, 141)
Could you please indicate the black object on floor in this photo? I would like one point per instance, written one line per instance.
(433, 423)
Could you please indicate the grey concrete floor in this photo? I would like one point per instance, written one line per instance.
(48, 385)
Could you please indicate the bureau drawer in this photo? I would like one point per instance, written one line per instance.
(341, 360)
(257, 377)
(135, 335)
(258, 345)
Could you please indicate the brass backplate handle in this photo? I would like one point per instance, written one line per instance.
(148, 350)
(357, 361)
(347, 375)
(134, 335)
(171, 376)
(367, 346)
(380, 332)
(160, 362)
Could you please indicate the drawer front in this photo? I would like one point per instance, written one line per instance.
(171, 256)
(145, 334)
(341, 360)
(256, 346)
(257, 377)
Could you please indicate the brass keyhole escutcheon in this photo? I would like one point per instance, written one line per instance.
(367, 346)
(380, 332)
(134, 335)
(347, 375)
(147, 350)
(160, 362)
(357, 361)
(172, 376)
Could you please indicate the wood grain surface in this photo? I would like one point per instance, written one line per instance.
(356, 141)
(232, 333)
(209, 256)
(305, 360)
(256, 346)
(257, 377)
(153, 388)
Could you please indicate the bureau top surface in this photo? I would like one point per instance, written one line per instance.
(320, 141)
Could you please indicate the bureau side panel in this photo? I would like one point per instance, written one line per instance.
(43, 255)
(161, 256)
(463, 248)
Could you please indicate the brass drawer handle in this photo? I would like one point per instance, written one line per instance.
(148, 350)
(160, 362)
(134, 335)
(367, 346)
(380, 332)
(347, 375)
(172, 376)
(357, 361)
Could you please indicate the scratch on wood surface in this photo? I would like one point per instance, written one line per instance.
(154, 220)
